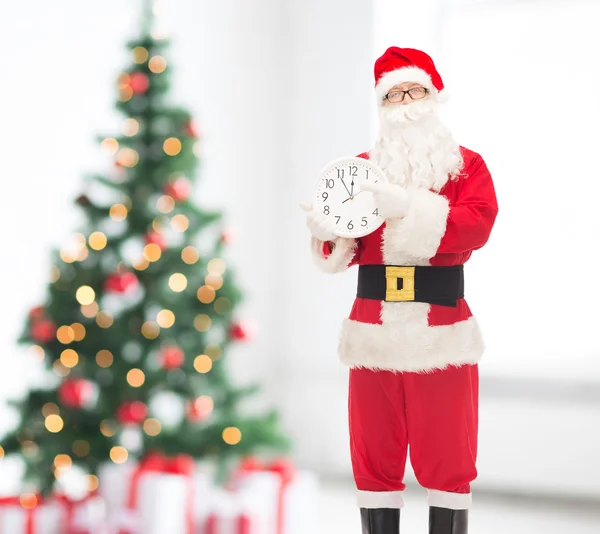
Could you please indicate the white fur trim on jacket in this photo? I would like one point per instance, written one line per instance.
(408, 343)
(339, 259)
(419, 233)
(398, 76)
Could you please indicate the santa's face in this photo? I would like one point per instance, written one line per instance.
(413, 147)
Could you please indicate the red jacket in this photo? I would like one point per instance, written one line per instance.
(439, 229)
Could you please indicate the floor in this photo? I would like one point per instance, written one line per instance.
(490, 515)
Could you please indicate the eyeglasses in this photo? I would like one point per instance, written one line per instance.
(416, 93)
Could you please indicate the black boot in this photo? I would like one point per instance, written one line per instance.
(446, 521)
(380, 520)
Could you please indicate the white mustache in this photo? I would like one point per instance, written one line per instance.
(407, 113)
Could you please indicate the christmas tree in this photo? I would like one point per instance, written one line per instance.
(140, 310)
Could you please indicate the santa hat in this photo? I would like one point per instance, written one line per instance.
(398, 65)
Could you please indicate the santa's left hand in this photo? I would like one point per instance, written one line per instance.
(391, 199)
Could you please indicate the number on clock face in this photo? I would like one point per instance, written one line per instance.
(340, 197)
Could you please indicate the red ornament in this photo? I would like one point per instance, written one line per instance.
(179, 189)
(172, 357)
(43, 331)
(132, 413)
(75, 392)
(120, 282)
(191, 129)
(155, 238)
(240, 332)
(139, 82)
(37, 313)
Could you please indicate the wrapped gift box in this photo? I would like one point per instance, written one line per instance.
(152, 497)
(228, 514)
(45, 518)
(285, 500)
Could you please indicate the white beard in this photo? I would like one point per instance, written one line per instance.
(414, 148)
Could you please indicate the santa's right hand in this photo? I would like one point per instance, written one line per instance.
(319, 225)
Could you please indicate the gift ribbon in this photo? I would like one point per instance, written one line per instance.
(29, 512)
(158, 463)
(283, 469)
(69, 505)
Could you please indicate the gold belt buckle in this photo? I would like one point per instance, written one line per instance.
(392, 275)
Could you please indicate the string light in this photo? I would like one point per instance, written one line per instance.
(232, 435)
(131, 127)
(190, 255)
(214, 351)
(97, 240)
(213, 281)
(108, 428)
(180, 223)
(140, 54)
(110, 145)
(118, 212)
(125, 93)
(157, 64)
(172, 146)
(178, 282)
(216, 266)
(90, 310)
(37, 351)
(67, 256)
(69, 358)
(157, 224)
(222, 305)
(28, 501)
(83, 254)
(152, 427)
(54, 274)
(93, 483)
(165, 318)
(206, 294)
(104, 319)
(81, 448)
(85, 295)
(203, 364)
(54, 423)
(65, 335)
(104, 358)
(150, 330)
(136, 378)
(119, 454)
(60, 369)
(202, 322)
(128, 157)
(204, 405)
(79, 331)
(152, 252)
(165, 204)
(62, 462)
(1, 453)
(50, 409)
(30, 449)
(141, 265)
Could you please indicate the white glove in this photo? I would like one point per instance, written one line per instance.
(318, 224)
(391, 199)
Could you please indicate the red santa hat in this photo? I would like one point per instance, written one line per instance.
(398, 65)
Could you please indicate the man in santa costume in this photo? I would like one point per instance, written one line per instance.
(413, 355)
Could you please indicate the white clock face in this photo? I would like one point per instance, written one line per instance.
(339, 196)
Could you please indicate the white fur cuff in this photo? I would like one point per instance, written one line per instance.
(380, 499)
(340, 258)
(420, 232)
(452, 501)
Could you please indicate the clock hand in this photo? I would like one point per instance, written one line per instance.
(351, 197)
(348, 190)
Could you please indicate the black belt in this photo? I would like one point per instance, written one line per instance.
(391, 283)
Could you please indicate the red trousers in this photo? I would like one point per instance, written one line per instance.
(434, 415)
